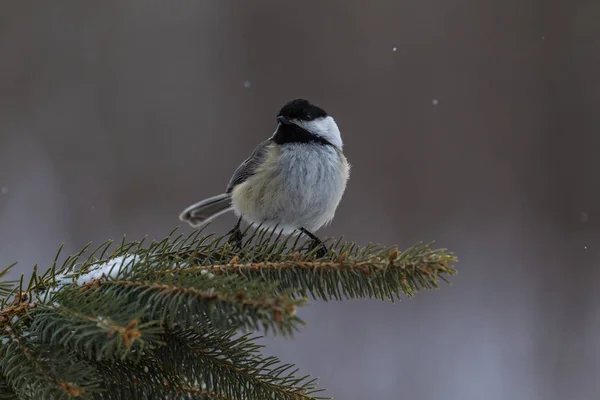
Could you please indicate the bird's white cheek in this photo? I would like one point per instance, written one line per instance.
(325, 128)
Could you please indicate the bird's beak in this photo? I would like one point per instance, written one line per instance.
(283, 120)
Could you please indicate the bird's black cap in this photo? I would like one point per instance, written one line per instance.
(302, 110)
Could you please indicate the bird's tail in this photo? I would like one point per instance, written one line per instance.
(206, 210)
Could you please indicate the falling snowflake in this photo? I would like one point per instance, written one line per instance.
(434, 102)
(3, 190)
(247, 84)
(395, 49)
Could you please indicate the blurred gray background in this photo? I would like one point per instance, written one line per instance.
(472, 123)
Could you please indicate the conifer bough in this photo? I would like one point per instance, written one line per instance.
(174, 319)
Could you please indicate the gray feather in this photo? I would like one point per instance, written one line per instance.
(247, 168)
(206, 210)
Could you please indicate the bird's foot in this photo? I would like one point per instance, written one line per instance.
(235, 237)
(315, 243)
(321, 248)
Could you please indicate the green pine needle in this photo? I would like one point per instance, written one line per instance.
(161, 320)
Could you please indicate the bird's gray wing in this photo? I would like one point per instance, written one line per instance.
(247, 168)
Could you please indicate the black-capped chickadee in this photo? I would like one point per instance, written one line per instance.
(293, 181)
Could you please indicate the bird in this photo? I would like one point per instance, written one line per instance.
(293, 181)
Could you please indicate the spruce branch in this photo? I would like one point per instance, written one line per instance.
(230, 301)
(6, 393)
(94, 324)
(6, 287)
(162, 320)
(233, 366)
(34, 371)
(201, 394)
(364, 273)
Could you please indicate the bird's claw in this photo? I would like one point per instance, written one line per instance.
(235, 237)
(321, 249)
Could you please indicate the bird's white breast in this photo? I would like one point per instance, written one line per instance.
(299, 185)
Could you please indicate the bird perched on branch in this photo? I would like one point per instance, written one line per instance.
(293, 181)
